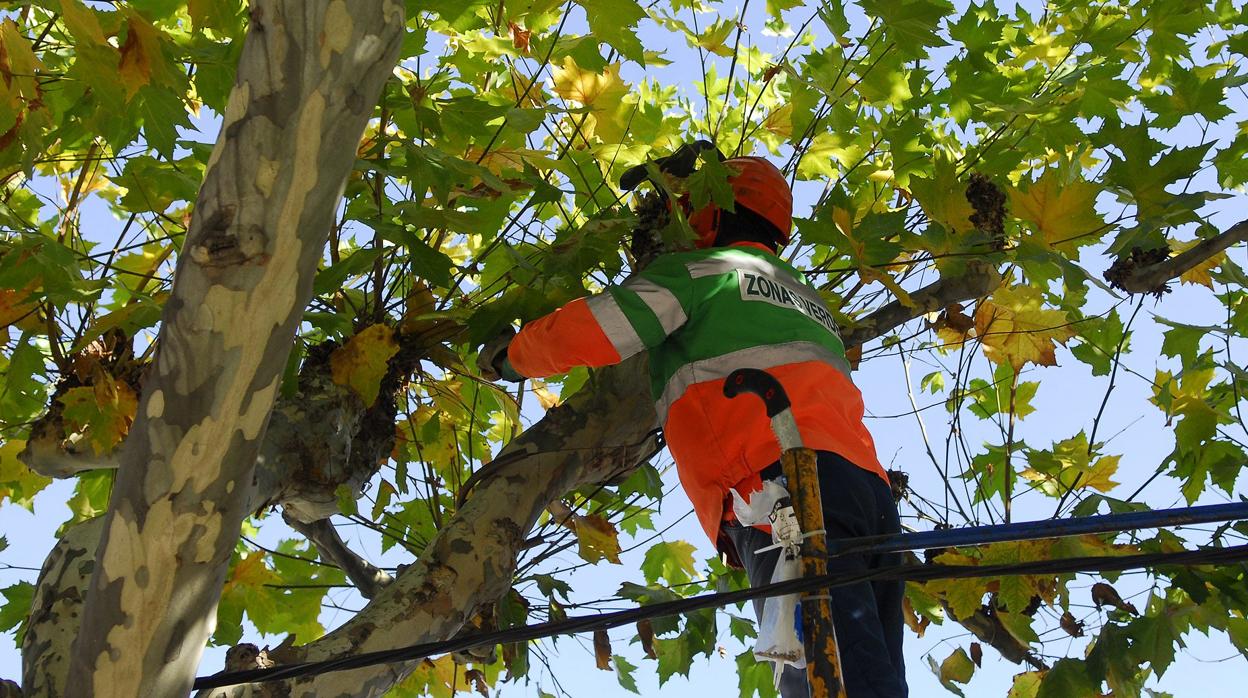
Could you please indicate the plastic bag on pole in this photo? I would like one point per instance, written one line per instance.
(778, 639)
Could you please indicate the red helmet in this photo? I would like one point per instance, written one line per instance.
(759, 186)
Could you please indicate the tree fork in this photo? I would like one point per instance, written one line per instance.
(308, 78)
(599, 433)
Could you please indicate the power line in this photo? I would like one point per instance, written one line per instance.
(1204, 556)
(1034, 530)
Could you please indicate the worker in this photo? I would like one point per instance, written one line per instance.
(733, 303)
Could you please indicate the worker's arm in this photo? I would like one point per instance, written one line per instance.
(608, 327)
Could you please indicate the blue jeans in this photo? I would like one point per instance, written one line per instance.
(867, 615)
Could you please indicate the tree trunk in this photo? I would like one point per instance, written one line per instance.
(308, 79)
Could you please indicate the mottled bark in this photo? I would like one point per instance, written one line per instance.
(979, 280)
(54, 612)
(1153, 278)
(600, 432)
(309, 76)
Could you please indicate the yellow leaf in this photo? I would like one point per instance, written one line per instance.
(964, 596)
(780, 121)
(598, 539)
(601, 93)
(587, 87)
(1198, 274)
(545, 397)
(361, 363)
(16, 305)
(501, 159)
(435, 678)
(1026, 685)
(715, 38)
(103, 410)
(141, 58)
(957, 667)
(1063, 214)
(250, 572)
(1015, 329)
(82, 23)
(18, 483)
(824, 152)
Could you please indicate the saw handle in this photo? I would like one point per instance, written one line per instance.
(760, 383)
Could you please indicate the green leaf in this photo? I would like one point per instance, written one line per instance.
(709, 184)
(675, 656)
(741, 628)
(1068, 679)
(16, 609)
(672, 561)
(614, 22)
(1098, 340)
(91, 495)
(1153, 640)
(754, 678)
(624, 673)
(910, 24)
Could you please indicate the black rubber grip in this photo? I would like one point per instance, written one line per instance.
(760, 383)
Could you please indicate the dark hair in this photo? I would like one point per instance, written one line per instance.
(744, 225)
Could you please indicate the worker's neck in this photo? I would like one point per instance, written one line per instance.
(750, 243)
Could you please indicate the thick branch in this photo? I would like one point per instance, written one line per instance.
(1152, 278)
(979, 280)
(600, 432)
(54, 612)
(309, 76)
(367, 578)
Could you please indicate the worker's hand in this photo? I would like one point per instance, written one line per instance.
(492, 361)
(681, 163)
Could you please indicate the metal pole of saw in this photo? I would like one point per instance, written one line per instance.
(823, 660)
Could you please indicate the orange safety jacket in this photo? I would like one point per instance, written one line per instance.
(703, 314)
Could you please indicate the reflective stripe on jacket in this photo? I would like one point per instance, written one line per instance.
(703, 314)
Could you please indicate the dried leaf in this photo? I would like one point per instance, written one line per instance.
(1105, 595)
(520, 36)
(476, 679)
(562, 514)
(140, 54)
(918, 624)
(17, 305)
(1073, 628)
(977, 654)
(602, 650)
(645, 632)
(360, 364)
(854, 356)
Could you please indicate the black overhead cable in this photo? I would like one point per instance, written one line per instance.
(605, 621)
